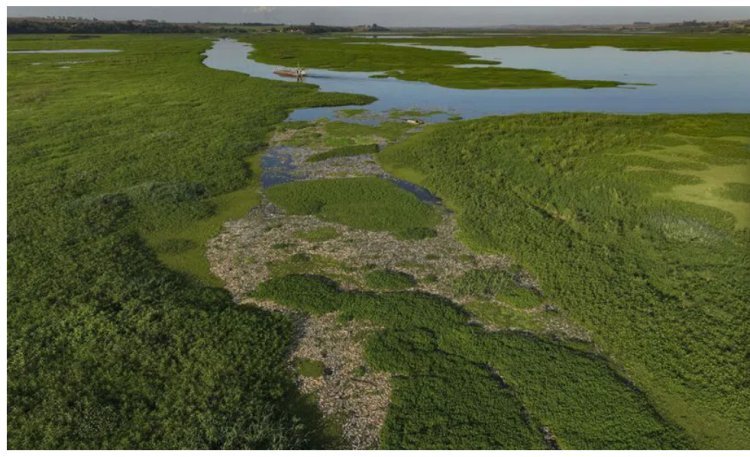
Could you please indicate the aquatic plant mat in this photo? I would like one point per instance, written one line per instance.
(443, 337)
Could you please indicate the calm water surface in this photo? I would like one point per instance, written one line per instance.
(679, 82)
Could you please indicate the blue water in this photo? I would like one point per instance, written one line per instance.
(679, 82)
(660, 82)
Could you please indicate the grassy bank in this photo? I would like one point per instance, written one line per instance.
(119, 166)
(613, 215)
(407, 63)
(698, 42)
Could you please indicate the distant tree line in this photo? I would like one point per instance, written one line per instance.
(715, 26)
(314, 28)
(79, 25)
(82, 25)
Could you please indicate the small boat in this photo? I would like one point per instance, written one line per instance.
(298, 72)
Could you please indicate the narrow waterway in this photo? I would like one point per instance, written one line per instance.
(281, 164)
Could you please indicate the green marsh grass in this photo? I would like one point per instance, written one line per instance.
(365, 203)
(617, 218)
(697, 42)
(344, 151)
(389, 280)
(120, 168)
(458, 387)
(403, 62)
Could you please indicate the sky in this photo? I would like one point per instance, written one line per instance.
(398, 16)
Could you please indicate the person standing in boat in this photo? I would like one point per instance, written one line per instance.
(297, 73)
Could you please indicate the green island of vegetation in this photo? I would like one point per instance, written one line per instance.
(344, 151)
(322, 234)
(367, 203)
(335, 134)
(310, 368)
(404, 62)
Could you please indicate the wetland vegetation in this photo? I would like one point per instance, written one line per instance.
(404, 62)
(447, 67)
(448, 393)
(695, 42)
(582, 282)
(344, 151)
(119, 169)
(600, 209)
(366, 203)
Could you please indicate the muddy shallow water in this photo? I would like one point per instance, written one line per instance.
(281, 164)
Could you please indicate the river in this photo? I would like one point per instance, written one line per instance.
(676, 82)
